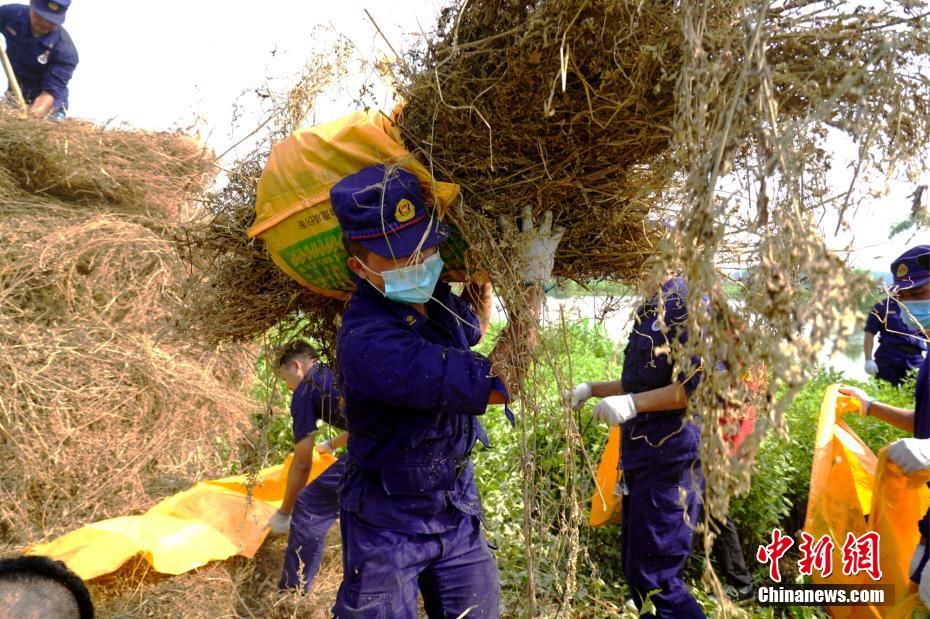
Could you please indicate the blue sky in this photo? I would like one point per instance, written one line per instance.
(175, 63)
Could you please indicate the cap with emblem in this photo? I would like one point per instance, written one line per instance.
(912, 268)
(52, 10)
(383, 209)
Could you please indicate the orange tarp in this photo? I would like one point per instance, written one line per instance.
(605, 507)
(852, 491)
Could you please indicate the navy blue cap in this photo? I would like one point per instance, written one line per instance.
(912, 268)
(52, 10)
(383, 209)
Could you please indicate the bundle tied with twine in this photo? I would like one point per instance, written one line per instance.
(716, 118)
(103, 411)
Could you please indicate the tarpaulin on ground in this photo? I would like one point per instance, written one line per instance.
(211, 521)
(605, 506)
(852, 491)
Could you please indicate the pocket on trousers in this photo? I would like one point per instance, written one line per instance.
(671, 528)
(365, 606)
(419, 479)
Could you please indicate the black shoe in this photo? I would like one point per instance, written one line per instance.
(739, 594)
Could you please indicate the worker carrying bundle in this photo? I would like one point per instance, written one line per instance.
(41, 54)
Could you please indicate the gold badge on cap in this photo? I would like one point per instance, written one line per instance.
(53, 6)
(902, 270)
(404, 210)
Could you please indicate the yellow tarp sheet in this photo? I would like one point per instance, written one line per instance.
(852, 491)
(211, 521)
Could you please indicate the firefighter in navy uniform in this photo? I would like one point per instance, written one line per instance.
(41, 52)
(414, 392)
(662, 477)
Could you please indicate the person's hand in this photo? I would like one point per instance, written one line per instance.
(539, 245)
(577, 395)
(864, 399)
(615, 409)
(871, 368)
(910, 454)
(42, 106)
(280, 523)
(326, 447)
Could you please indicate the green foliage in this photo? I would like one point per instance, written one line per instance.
(273, 423)
(570, 289)
(581, 352)
(781, 475)
(559, 466)
(778, 496)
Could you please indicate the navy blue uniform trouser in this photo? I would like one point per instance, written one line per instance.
(657, 532)
(891, 372)
(384, 568)
(316, 510)
(894, 367)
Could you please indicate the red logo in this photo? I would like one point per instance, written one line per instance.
(816, 555)
(774, 551)
(860, 554)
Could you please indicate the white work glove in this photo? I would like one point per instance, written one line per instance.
(326, 447)
(577, 395)
(915, 560)
(871, 368)
(539, 245)
(280, 523)
(615, 409)
(910, 454)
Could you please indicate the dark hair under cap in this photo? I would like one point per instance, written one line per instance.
(39, 567)
(294, 349)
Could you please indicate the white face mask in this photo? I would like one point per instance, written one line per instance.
(917, 314)
(412, 284)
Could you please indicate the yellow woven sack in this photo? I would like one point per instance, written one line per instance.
(605, 507)
(293, 214)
